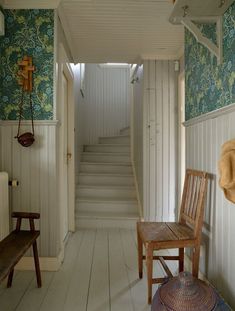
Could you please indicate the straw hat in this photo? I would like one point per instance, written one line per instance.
(185, 293)
(227, 170)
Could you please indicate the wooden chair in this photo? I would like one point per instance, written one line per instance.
(167, 235)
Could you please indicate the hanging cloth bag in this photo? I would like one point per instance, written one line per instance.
(25, 139)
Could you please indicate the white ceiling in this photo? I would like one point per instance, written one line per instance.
(114, 30)
(102, 31)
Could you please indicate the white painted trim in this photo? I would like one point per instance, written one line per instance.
(210, 115)
(160, 57)
(140, 207)
(67, 32)
(66, 69)
(29, 122)
(46, 263)
(180, 52)
(29, 4)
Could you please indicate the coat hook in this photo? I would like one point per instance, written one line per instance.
(185, 9)
(222, 2)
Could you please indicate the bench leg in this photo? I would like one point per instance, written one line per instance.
(10, 277)
(36, 262)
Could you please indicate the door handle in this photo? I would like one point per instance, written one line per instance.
(69, 156)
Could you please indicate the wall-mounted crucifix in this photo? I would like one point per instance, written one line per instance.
(26, 73)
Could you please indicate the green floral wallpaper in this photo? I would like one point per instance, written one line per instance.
(210, 86)
(28, 32)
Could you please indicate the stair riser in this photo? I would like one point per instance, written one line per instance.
(103, 148)
(106, 180)
(125, 131)
(106, 193)
(97, 168)
(105, 223)
(114, 140)
(109, 207)
(106, 158)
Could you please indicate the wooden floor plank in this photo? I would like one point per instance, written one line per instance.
(119, 284)
(34, 296)
(11, 297)
(138, 286)
(98, 297)
(56, 294)
(99, 273)
(77, 293)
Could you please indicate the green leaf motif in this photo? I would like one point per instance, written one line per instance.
(28, 32)
(210, 86)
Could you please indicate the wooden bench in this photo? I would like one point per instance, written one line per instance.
(15, 245)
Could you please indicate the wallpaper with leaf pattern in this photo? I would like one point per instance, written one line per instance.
(210, 86)
(28, 32)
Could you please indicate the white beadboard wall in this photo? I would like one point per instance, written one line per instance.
(36, 170)
(107, 101)
(137, 111)
(160, 140)
(204, 138)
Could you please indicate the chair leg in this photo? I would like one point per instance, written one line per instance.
(196, 257)
(181, 259)
(140, 255)
(10, 277)
(37, 266)
(149, 263)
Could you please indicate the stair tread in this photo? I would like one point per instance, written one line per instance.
(106, 200)
(109, 145)
(115, 215)
(115, 136)
(106, 163)
(102, 186)
(105, 174)
(106, 153)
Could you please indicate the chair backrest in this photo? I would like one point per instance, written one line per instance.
(193, 199)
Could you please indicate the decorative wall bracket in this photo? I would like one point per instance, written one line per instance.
(216, 49)
(186, 12)
(26, 73)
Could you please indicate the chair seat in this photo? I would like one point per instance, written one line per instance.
(160, 232)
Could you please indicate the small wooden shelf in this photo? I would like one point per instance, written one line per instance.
(187, 12)
(199, 9)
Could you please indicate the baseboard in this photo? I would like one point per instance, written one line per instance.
(46, 263)
(140, 208)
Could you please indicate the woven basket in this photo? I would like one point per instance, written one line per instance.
(185, 293)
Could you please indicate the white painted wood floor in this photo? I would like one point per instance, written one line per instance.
(99, 273)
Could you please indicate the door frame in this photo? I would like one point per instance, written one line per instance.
(66, 69)
(181, 137)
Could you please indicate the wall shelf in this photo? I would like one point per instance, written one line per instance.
(189, 12)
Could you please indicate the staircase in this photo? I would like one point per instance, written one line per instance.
(105, 193)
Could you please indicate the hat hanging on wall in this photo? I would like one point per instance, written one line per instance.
(26, 81)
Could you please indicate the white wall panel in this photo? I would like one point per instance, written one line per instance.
(204, 139)
(107, 101)
(160, 140)
(137, 111)
(35, 168)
